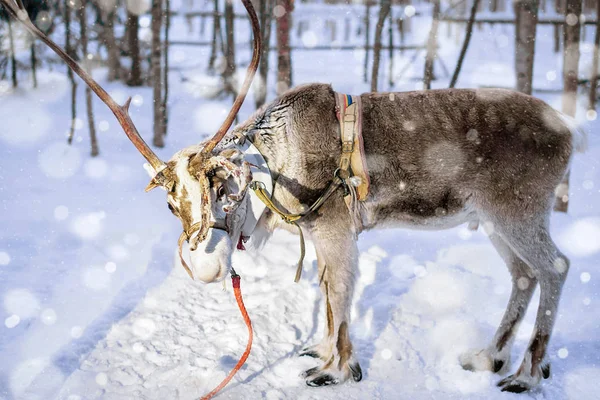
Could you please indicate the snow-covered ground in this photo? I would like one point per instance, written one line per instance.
(95, 306)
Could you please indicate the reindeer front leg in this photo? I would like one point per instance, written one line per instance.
(337, 256)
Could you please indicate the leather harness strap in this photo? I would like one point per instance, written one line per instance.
(352, 162)
(263, 195)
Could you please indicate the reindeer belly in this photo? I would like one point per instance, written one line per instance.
(409, 210)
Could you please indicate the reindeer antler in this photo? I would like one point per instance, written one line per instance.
(247, 81)
(17, 10)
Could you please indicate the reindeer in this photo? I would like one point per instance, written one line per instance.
(436, 159)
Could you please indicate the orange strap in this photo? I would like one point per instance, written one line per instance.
(235, 279)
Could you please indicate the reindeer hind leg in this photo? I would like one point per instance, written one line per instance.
(530, 240)
(496, 357)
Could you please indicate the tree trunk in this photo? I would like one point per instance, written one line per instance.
(71, 52)
(384, 10)
(88, 92)
(526, 15)
(572, 31)
(229, 70)
(165, 99)
(266, 17)
(594, 76)
(156, 60)
(391, 50)
(215, 37)
(33, 65)
(284, 55)
(112, 48)
(13, 58)
(367, 41)
(463, 50)
(133, 27)
(431, 46)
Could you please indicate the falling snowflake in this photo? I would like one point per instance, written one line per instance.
(61, 213)
(4, 258)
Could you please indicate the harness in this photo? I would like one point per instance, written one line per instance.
(352, 175)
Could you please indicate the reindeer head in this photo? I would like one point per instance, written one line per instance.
(208, 195)
(205, 189)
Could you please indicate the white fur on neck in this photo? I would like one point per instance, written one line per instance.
(260, 173)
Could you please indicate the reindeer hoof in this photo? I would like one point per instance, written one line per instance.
(356, 371)
(319, 376)
(546, 371)
(483, 360)
(323, 379)
(513, 385)
(309, 352)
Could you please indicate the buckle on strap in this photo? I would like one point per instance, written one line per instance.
(347, 146)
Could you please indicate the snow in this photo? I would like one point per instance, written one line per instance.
(96, 306)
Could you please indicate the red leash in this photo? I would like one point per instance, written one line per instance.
(235, 279)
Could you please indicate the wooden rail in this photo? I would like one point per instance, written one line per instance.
(545, 21)
(304, 48)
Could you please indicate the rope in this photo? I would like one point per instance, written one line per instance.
(235, 280)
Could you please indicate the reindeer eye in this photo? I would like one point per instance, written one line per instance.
(221, 191)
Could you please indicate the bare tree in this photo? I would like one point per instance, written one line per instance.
(13, 57)
(266, 18)
(526, 13)
(284, 56)
(156, 60)
(367, 37)
(384, 10)
(33, 63)
(133, 27)
(71, 52)
(465, 46)
(594, 76)
(572, 35)
(88, 91)
(107, 33)
(215, 37)
(391, 50)
(229, 70)
(165, 99)
(431, 45)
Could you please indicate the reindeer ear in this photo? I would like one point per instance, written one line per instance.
(148, 168)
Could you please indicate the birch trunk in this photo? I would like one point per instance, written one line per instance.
(284, 59)
(112, 48)
(463, 50)
(94, 151)
(594, 75)
(367, 41)
(431, 46)
(71, 52)
(133, 27)
(33, 64)
(13, 59)
(384, 10)
(526, 14)
(266, 17)
(229, 71)
(572, 34)
(165, 99)
(215, 36)
(156, 60)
